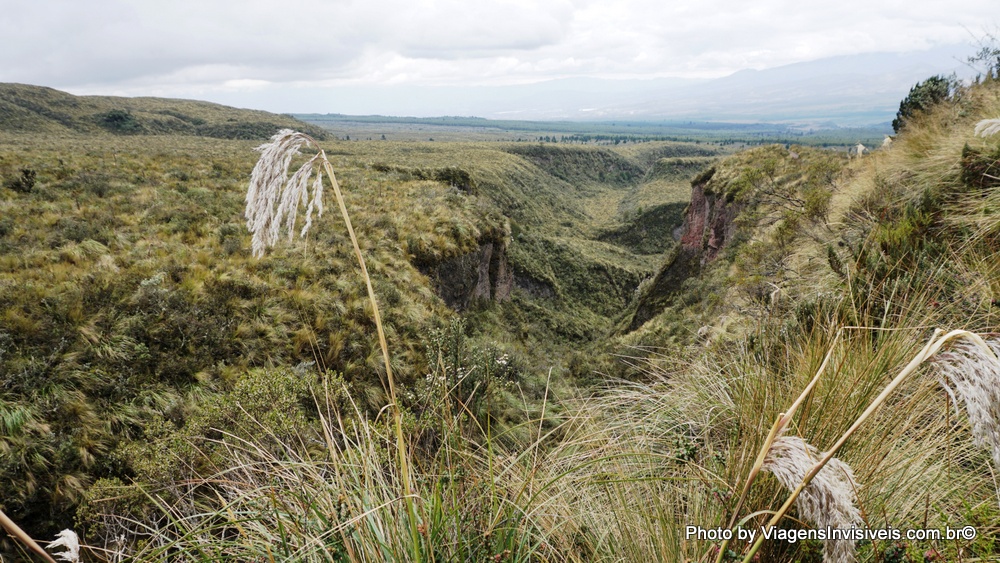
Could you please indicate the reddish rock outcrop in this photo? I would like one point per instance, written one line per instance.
(709, 224)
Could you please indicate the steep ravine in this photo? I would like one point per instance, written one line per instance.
(708, 225)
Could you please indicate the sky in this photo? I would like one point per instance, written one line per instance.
(327, 55)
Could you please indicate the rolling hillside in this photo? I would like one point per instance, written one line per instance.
(130, 307)
(40, 110)
(596, 347)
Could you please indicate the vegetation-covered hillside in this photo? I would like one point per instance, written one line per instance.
(39, 110)
(133, 313)
(597, 348)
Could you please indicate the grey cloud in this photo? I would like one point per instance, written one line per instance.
(206, 46)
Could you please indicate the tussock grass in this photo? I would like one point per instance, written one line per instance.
(149, 348)
(335, 494)
(628, 471)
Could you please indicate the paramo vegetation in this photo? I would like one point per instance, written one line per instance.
(594, 347)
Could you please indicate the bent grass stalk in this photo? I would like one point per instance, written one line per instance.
(16, 531)
(270, 201)
(929, 350)
(777, 429)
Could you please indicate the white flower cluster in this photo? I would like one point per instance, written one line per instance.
(155, 280)
(435, 380)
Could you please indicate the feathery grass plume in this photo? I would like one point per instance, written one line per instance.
(988, 127)
(273, 198)
(933, 346)
(975, 375)
(69, 540)
(829, 500)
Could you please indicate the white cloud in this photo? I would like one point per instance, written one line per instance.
(141, 46)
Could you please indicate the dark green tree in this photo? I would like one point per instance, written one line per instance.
(923, 96)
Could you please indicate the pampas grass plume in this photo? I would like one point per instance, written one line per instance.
(69, 540)
(974, 375)
(273, 199)
(988, 127)
(830, 498)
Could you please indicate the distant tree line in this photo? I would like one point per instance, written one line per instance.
(613, 139)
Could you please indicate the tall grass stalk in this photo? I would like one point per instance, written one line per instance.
(332, 496)
(936, 342)
(273, 198)
(14, 530)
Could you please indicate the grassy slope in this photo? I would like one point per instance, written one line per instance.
(561, 203)
(772, 193)
(128, 298)
(907, 242)
(36, 109)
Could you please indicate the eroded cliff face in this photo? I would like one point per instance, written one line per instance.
(709, 224)
(483, 274)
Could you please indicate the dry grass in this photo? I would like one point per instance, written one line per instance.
(267, 463)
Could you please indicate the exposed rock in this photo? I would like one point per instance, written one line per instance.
(481, 275)
(534, 287)
(708, 225)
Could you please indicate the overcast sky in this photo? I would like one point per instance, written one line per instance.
(298, 56)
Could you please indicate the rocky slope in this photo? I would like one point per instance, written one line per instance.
(755, 199)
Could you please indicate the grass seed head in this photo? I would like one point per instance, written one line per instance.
(974, 375)
(273, 198)
(988, 127)
(829, 500)
(69, 540)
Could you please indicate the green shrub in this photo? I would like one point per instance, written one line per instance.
(922, 97)
(120, 121)
(23, 183)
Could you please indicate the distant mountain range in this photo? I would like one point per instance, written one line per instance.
(840, 91)
(845, 91)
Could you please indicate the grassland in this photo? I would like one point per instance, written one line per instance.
(132, 309)
(36, 110)
(170, 397)
(738, 135)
